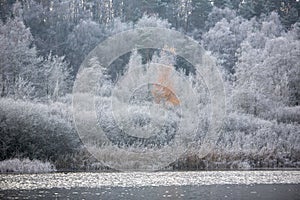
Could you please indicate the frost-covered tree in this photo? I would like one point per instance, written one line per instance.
(18, 55)
(232, 4)
(117, 26)
(225, 37)
(150, 21)
(267, 68)
(58, 78)
(199, 15)
(217, 14)
(85, 36)
(288, 10)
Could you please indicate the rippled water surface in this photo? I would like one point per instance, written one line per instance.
(156, 185)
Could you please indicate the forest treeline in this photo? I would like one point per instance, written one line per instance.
(256, 44)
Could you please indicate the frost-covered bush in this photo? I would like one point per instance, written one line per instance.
(246, 133)
(249, 142)
(288, 114)
(35, 130)
(26, 166)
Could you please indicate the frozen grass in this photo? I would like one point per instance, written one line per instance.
(224, 159)
(246, 142)
(25, 166)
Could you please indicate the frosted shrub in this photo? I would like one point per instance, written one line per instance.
(35, 130)
(265, 143)
(288, 114)
(26, 166)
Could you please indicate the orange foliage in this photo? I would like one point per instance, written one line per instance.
(162, 91)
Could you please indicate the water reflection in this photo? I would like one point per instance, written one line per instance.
(158, 185)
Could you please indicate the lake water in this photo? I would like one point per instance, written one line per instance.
(155, 185)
